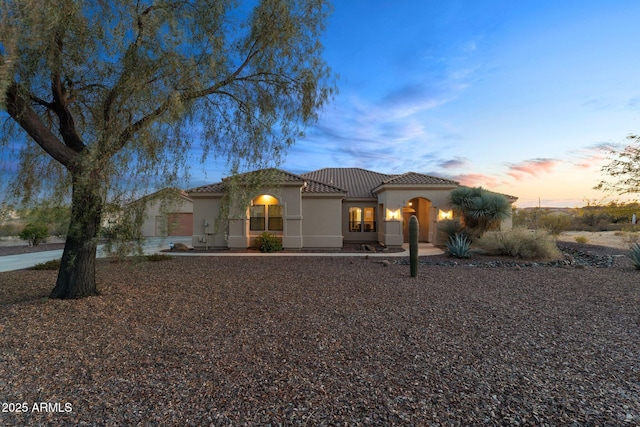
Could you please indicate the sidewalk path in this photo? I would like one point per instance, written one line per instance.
(424, 249)
(157, 244)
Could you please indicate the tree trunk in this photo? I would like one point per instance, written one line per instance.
(77, 275)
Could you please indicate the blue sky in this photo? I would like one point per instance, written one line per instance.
(521, 97)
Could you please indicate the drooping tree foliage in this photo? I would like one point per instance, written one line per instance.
(479, 210)
(104, 97)
(623, 169)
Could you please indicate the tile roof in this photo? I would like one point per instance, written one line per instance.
(313, 186)
(413, 178)
(217, 187)
(355, 182)
(361, 182)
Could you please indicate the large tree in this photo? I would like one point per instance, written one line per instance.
(623, 169)
(103, 95)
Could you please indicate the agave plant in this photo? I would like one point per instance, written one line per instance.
(635, 255)
(458, 246)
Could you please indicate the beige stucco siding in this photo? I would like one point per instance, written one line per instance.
(205, 213)
(156, 211)
(322, 223)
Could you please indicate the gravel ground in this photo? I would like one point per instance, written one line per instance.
(324, 341)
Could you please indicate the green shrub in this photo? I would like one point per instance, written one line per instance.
(635, 255)
(34, 233)
(54, 264)
(268, 242)
(581, 239)
(521, 243)
(458, 246)
(451, 227)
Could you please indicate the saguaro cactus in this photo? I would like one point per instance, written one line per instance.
(413, 245)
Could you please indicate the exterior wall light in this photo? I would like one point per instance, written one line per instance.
(393, 214)
(443, 215)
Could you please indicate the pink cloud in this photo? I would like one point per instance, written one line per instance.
(531, 168)
(592, 157)
(477, 180)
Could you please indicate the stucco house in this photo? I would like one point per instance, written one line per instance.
(168, 212)
(326, 208)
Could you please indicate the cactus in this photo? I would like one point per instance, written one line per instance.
(413, 245)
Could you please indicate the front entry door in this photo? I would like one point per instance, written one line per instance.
(406, 216)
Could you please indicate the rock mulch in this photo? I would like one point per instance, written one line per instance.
(577, 256)
(323, 341)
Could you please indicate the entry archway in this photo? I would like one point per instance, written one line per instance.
(422, 209)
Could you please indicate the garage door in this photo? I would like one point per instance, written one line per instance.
(180, 224)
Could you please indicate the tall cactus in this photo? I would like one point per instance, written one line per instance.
(413, 245)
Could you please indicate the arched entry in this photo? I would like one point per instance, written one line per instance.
(421, 208)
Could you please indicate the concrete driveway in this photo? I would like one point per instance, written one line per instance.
(18, 262)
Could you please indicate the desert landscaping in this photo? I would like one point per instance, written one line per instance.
(326, 341)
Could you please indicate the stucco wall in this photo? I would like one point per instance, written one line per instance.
(155, 223)
(322, 222)
(205, 212)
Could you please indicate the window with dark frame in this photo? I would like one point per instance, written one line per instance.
(362, 219)
(266, 218)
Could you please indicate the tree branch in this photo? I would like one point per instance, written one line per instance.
(67, 127)
(19, 109)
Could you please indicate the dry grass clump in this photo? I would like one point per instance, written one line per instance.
(520, 243)
(581, 239)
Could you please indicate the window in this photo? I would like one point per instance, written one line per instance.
(266, 217)
(275, 217)
(256, 221)
(362, 219)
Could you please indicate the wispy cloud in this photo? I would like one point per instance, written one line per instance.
(477, 180)
(455, 163)
(531, 168)
(592, 157)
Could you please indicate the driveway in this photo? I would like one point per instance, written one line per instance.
(18, 262)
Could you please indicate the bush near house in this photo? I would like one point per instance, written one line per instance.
(34, 233)
(268, 242)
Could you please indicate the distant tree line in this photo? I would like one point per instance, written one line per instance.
(593, 216)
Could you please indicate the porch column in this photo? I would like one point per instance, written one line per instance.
(292, 236)
(392, 236)
(238, 237)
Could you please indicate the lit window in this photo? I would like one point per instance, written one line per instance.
(275, 217)
(266, 216)
(256, 222)
(362, 219)
(369, 219)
